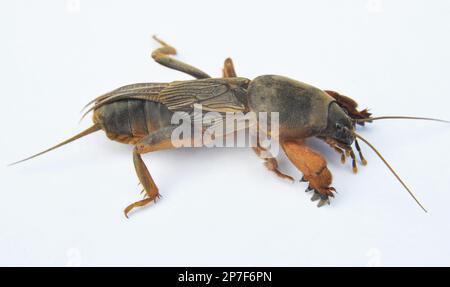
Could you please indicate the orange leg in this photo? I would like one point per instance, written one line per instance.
(228, 69)
(139, 203)
(271, 163)
(150, 188)
(314, 169)
(158, 140)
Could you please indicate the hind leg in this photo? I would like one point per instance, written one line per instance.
(314, 169)
(150, 188)
(158, 140)
(163, 56)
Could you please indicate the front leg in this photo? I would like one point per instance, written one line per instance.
(314, 168)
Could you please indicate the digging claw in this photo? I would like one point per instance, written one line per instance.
(323, 200)
(316, 196)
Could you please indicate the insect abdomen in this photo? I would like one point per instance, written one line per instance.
(128, 121)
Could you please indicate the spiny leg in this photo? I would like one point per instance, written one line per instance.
(270, 162)
(314, 168)
(150, 188)
(163, 56)
(228, 70)
(157, 140)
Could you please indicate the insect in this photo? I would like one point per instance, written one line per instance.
(140, 115)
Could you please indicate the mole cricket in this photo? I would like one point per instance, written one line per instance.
(140, 114)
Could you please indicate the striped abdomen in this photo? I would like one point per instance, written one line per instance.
(127, 121)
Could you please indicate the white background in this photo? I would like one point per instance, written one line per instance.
(221, 207)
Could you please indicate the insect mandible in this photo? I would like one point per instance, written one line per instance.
(140, 114)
